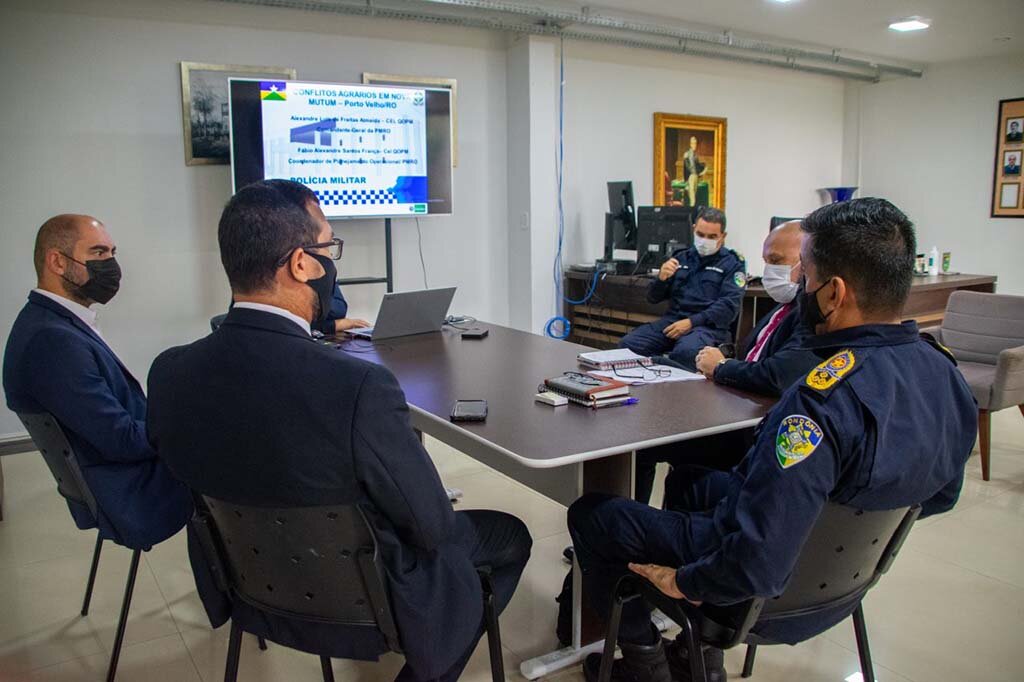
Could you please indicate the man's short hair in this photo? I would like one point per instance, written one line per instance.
(295, 192)
(59, 232)
(709, 214)
(870, 244)
(260, 225)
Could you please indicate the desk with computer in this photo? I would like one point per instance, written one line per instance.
(639, 239)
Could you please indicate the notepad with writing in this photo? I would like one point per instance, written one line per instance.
(585, 389)
(619, 358)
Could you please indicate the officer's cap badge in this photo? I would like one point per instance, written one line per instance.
(797, 438)
(832, 370)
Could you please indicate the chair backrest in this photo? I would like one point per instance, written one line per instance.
(318, 564)
(59, 456)
(977, 326)
(216, 321)
(845, 555)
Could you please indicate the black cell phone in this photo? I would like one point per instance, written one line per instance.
(475, 334)
(469, 411)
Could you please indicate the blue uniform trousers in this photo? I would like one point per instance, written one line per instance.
(608, 532)
(649, 339)
(719, 451)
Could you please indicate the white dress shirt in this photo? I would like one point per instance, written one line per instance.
(273, 309)
(86, 315)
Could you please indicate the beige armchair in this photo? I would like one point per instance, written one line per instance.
(985, 332)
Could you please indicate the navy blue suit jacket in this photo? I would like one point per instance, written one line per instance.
(259, 413)
(784, 358)
(55, 363)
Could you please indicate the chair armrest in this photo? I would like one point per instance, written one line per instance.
(1008, 386)
(935, 331)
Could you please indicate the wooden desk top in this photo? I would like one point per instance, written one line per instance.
(918, 284)
(505, 369)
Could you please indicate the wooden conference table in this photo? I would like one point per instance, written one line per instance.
(560, 452)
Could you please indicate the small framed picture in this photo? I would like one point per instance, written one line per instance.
(1011, 162)
(1009, 195)
(204, 107)
(1015, 130)
(1009, 157)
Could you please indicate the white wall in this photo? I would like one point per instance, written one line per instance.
(928, 146)
(91, 123)
(784, 137)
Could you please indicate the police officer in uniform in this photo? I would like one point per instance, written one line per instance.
(705, 283)
(773, 357)
(885, 420)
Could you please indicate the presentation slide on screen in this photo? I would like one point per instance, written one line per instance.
(362, 149)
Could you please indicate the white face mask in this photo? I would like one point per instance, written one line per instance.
(778, 282)
(705, 247)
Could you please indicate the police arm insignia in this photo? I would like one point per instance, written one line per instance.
(798, 437)
(825, 375)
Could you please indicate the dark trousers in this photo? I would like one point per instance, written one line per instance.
(649, 339)
(720, 451)
(609, 532)
(503, 543)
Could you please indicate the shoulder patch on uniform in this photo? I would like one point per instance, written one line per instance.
(798, 437)
(933, 342)
(828, 373)
(740, 278)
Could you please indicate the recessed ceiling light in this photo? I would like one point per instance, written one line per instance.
(910, 24)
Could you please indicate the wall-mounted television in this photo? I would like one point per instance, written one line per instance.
(366, 150)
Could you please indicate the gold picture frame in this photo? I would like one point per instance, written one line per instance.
(428, 81)
(1006, 176)
(204, 96)
(674, 164)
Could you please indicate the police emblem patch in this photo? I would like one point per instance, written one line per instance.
(797, 438)
(832, 370)
(740, 278)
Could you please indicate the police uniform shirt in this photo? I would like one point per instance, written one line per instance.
(886, 421)
(707, 290)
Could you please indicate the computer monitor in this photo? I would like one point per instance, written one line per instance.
(662, 230)
(620, 221)
(620, 202)
(778, 220)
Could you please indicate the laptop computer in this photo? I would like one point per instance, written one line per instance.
(409, 312)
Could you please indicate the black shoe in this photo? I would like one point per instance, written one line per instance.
(679, 662)
(639, 663)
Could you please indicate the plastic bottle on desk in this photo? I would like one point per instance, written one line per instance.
(933, 261)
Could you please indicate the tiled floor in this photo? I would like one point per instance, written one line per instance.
(952, 608)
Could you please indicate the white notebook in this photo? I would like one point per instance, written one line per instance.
(618, 358)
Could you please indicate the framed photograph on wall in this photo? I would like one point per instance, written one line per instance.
(424, 81)
(1009, 195)
(1006, 178)
(204, 107)
(689, 160)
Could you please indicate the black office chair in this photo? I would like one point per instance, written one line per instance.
(49, 438)
(846, 553)
(273, 560)
(216, 321)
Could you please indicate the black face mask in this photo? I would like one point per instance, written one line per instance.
(104, 279)
(323, 287)
(810, 311)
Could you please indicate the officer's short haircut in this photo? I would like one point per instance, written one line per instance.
(260, 225)
(710, 214)
(870, 244)
(295, 192)
(59, 232)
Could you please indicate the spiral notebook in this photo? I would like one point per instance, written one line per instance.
(619, 358)
(585, 389)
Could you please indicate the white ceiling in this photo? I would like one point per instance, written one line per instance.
(961, 29)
